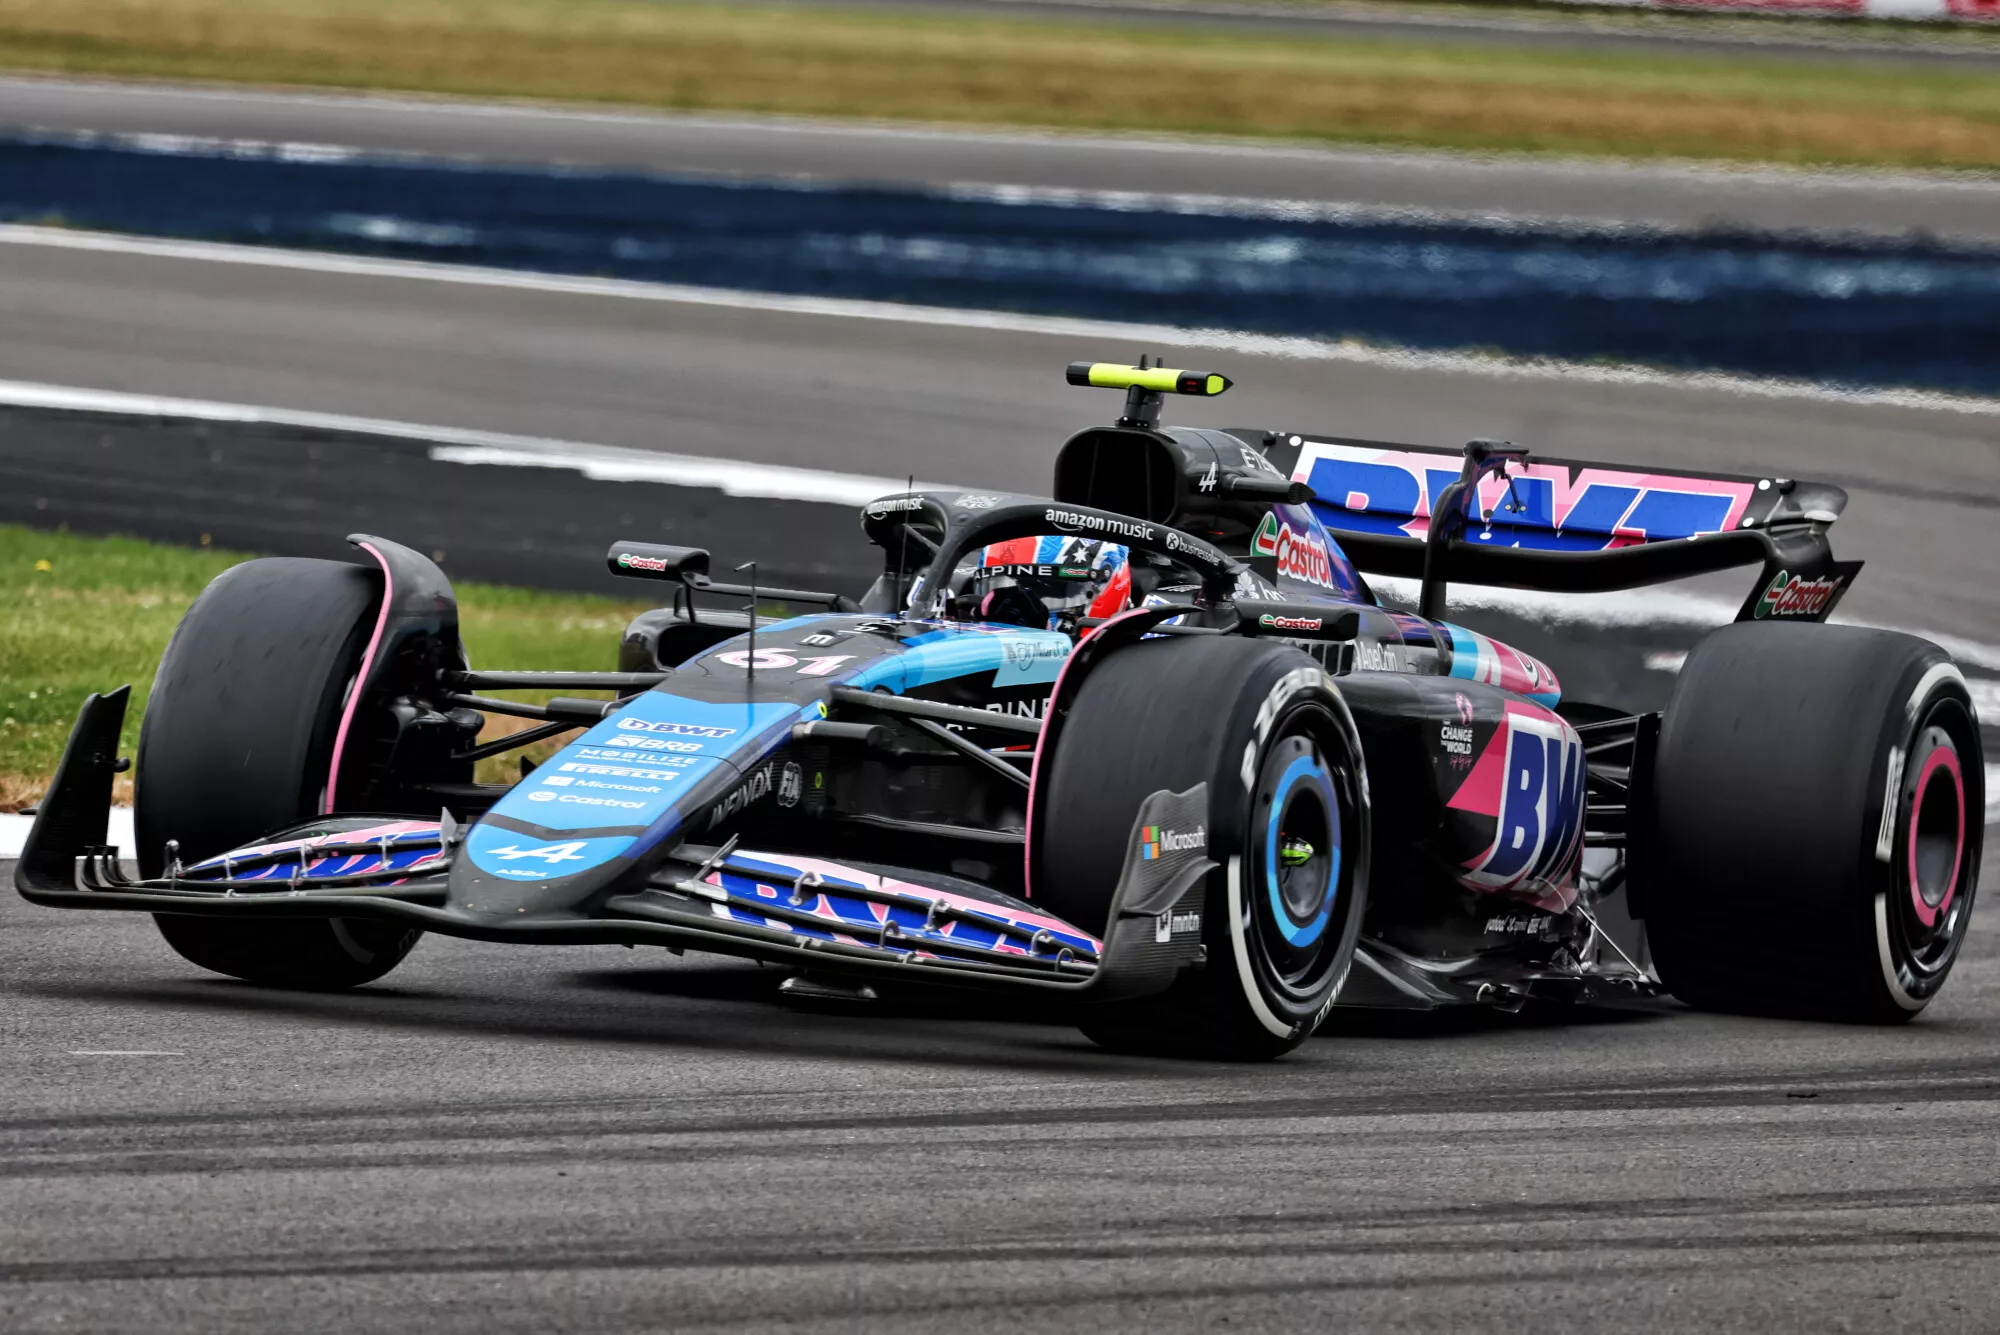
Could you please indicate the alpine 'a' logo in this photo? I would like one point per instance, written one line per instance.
(569, 852)
(1789, 596)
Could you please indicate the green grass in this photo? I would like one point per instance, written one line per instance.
(91, 614)
(1116, 73)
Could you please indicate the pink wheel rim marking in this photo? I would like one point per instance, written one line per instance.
(1946, 759)
(360, 680)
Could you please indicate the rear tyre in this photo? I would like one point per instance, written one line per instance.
(1818, 801)
(238, 741)
(1266, 729)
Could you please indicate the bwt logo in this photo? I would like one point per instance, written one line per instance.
(677, 729)
(1538, 506)
(1541, 806)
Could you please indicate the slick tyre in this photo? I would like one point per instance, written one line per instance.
(237, 742)
(1817, 821)
(1268, 733)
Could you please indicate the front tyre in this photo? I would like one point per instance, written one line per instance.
(238, 741)
(1265, 729)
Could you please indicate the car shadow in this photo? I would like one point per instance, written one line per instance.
(897, 1000)
(732, 1009)
(1454, 1021)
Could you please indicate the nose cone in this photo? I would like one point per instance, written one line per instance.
(572, 830)
(505, 873)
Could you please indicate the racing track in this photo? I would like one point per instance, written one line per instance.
(588, 1138)
(501, 1139)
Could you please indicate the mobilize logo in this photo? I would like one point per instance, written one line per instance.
(636, 757)
(1170, 925)
(1276, 622)
(1789, 596)
(677, 729)
(1157, 839)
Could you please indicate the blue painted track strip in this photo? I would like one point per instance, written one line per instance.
(1858, 312)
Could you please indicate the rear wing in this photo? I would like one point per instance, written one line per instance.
(1564, 525)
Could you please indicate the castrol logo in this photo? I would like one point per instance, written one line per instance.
(1789, 596)
(1301, 555)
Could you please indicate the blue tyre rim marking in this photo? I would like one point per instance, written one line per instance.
(1304, 770)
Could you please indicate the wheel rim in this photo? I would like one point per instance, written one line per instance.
(1296, 845)
(1932, 895)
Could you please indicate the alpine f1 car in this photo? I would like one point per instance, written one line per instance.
(1151, 744)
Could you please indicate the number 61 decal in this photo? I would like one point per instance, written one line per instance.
(769, 660)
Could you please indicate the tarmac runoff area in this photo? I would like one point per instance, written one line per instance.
(508, 1139)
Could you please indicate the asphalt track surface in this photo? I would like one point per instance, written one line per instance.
(955, 402)
(1675, 195)
(523, 1139)
(503, 1138)
(511, 1139)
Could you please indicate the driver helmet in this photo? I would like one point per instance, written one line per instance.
(1049, 583)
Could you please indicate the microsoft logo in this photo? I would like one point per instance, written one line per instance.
(1157, 839)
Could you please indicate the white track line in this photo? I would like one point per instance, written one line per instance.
(606, 463)
(14, 831)
(456, 445)
(1249, 344)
